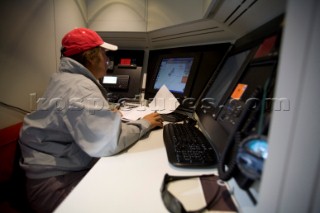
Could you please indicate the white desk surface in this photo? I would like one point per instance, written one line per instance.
(128, 182)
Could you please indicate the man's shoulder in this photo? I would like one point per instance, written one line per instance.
(68, 76)
(71, 79)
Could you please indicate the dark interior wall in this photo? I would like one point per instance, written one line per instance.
(136, 57)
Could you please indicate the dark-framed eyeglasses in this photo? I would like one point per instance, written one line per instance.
(173, 204)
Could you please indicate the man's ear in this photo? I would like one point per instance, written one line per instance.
(93, 61)
(90, 61)
(89, 64)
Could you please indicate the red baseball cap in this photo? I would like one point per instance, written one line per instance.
(81, 39)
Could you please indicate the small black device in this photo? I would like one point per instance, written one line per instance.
(116, 81)
(123, 82)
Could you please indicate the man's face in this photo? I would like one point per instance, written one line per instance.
(102, 64)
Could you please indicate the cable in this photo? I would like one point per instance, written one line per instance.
(14, 108)
(260, 126)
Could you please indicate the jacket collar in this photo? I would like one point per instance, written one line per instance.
(72, 66)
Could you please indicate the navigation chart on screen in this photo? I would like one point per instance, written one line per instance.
(174, 74)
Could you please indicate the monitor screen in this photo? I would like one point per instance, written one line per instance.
(174, 72)
(109, 80)
(216, 93)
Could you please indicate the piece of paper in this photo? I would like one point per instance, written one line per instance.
(164, 102)
(134, 114)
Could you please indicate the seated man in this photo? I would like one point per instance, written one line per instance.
(73, 125)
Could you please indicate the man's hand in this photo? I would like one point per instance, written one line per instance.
(154, 119)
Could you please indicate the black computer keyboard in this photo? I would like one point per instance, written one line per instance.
(186, 146)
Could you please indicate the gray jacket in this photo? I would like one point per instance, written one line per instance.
(73, 126)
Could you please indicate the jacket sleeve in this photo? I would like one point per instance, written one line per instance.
(98, 130)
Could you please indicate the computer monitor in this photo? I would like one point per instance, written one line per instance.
(216, 92)
(244, 108)
(216, 114)
(176, 72)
